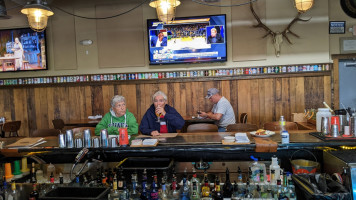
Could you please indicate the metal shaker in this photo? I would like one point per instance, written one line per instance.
(96, 142)
(78, 143)
(87, 138)
(104, 138)
(113, 142)
(62, 140)
(334, 130)
(69, 138)
(342, 119)
(353, 125)
(325, 126)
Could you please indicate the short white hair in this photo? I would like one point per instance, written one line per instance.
(117, 99)
(159, 93)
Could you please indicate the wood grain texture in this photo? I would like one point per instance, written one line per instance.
(263, 99)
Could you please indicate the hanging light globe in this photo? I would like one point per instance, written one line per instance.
(165, 9)
(303, 5)
(37, 14)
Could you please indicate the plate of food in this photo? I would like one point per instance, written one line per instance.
(262, 133)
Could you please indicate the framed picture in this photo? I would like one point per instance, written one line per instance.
(337, 27)
(347, 45)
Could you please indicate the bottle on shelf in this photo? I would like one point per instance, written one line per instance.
(217, 191)
(34, 194)
(51, 169)
(274, 169)
(227, 188)
(114, 193)
(184, 193)
(239, 175)
(164, 195)
(235, 192)
(248, 193)
(124, 195)
(144, 193)
(61, 180)
(256, 168)
(33, 173)
(205, 189)
(195, 187)
(154, 195)
(51, 180)
(174, 185)
(13, 194)
(134, 193)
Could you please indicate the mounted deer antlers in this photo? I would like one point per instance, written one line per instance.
(277, 37)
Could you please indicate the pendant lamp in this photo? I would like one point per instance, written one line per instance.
(37, 13)
(165, 9)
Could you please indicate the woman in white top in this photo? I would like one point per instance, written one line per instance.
(18, 54)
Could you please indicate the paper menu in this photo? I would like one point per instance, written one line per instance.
(27, 142)
(241, 138)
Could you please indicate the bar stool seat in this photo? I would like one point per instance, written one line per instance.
(12, 128)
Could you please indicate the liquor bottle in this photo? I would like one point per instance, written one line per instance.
(164, 195)
(104, 182)
(34, 194)
(250, 176)
(195, 187)
(235, 192)
(51, 180)
(262, 176)
(257, 192)
(134, 193)
(174, 189)
(4, 193)
(248, 193)
(279, 189)
(205, 190)
(120, 180)
(124, 195)
(114, 193)
(33, 173)
(184, 193)
(61, 179)
(154, 191)
(217, 192)
(239, 175)
(14, 194)
(227, 188)
(144, 192)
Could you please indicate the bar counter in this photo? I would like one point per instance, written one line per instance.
(184, 146)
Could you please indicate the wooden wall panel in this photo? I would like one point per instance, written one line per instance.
(264, 100)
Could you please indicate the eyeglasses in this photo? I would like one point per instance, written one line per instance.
(120, 105)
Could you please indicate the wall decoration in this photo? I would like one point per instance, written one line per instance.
(337, 27)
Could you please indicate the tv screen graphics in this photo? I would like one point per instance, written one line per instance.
(187, 40)
(22, 49)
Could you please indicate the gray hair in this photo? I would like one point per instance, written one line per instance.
(117, 99)
(159, 93)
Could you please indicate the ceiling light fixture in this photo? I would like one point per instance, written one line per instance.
(303, 5)
(165, 9)
(37, 13)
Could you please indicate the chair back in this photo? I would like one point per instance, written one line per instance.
(243, 118)
(81, 130)
(202, 127)
(45, 132)
(242, 127)
(58, 124)
(274, 126)
(12, 127)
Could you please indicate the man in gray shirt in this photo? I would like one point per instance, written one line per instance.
(222, 110)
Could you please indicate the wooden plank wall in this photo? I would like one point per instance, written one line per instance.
(263, 99)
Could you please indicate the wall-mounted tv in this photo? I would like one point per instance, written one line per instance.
(187, 40)
(22, 49)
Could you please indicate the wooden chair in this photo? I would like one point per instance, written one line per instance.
(81, 130)
(45, 132)
(274, 126)
(241, 127)
(58, 124)
(202, 127)
(12, 128)
(243, 118)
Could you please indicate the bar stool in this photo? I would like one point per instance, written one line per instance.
(12, 128)
(25, 64)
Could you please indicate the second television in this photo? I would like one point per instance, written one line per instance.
(187, 40)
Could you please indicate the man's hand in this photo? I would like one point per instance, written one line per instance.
(203, 114)
(160, 110)
(155, 133)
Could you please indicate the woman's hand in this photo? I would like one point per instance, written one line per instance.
(160, 110)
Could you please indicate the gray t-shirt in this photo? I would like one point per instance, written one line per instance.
(224, 107)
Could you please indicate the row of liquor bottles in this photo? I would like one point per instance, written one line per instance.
(124, 185)
(166, 75)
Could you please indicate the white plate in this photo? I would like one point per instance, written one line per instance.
(269, 133)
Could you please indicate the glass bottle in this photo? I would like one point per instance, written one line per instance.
(114, 193)
(14, 194)
(144, 195)
(103, 180)
(227, 188)
(134, 193)
(154, 195)
(175, 191)
(217, 193)
(248, 193)
(257, 192)
(205, 190)
(282, 123)
(239, 175)
(195, 187)
(51, 179)
(61, 179)
(124, 195)
(164, 192)
(34, 194)
(235, 192)
(184, 194)
(33, 173)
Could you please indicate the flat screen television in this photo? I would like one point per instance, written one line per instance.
(187, 40)
(22, 49)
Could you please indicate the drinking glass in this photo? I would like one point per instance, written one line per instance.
(158, 117)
